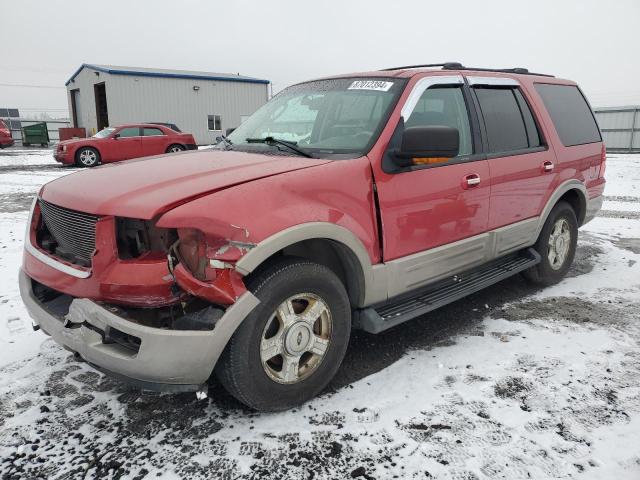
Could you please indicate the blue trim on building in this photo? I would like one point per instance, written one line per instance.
(164, 75)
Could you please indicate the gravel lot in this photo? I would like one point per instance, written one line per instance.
(513, 382)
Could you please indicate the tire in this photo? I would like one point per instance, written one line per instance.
(175, 148)
(554, 265)
(87, 157)
(251, 367)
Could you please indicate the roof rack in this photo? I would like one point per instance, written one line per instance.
(459, 66)
(445, 65)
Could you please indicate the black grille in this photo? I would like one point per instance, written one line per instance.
(73, 232)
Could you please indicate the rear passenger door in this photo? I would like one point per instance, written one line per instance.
(523, 168)
(154, 141)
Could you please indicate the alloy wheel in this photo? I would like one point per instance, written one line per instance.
(88, 157)
(296, 338)
(559, 244)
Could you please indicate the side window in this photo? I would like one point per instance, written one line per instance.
(214, 122)
(570, 114)
(443, 106)
(151, 132)
(533, 135)
(506, 130)
(129, 132)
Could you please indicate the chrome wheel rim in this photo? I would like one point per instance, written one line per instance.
(175, 149)
(296, 338)
(88, 157)
(559, 244)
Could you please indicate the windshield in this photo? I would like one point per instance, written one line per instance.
(334, 116)
(104, 133)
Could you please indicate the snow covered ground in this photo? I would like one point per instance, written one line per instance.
(512, 382)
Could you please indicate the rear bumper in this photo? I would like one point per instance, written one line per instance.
(166, 360)
(191, 146)
(6, 142)
(594, 205)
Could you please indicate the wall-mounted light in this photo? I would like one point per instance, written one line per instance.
(196, 88)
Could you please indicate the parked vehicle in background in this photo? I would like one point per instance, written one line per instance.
(125, 142)
(359, 201)
(6, 140)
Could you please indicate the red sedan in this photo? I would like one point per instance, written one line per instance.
(114, 144)
(5, 135)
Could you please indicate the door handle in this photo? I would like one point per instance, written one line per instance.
(547, 167)
(470, 181)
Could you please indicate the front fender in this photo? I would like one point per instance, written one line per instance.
(255, 220)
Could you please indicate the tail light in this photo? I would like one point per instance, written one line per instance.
(603, 161)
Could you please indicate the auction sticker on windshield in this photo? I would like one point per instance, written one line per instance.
(371, 85)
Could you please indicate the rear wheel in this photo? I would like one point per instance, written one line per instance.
(175, 148)
(556, 245)
(291, 345)
(87, 157)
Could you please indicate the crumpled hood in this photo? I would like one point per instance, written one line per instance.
(147, 187)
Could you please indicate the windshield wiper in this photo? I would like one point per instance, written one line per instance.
(275, 141)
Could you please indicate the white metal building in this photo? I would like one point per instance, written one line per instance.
(620, 128)
(202, 103)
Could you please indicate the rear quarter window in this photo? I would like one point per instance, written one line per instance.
(570, 113)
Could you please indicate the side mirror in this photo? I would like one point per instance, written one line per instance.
(229, 131)
(421, 144)
(116, 136)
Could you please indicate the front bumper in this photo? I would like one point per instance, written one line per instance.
(63, 157)
(166, 360)
(191, 146)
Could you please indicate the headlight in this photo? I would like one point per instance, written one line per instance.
(193, 251)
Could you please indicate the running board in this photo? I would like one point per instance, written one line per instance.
(378, 318)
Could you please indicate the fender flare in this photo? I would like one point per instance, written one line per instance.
(310, 231)
(563, 188)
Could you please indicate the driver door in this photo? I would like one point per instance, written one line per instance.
(127, 145)
(434, 214)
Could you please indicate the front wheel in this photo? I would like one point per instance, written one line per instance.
(291, 345)
(87, 157)
(556, 245)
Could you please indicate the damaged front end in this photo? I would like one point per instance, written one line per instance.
(205, 268)
(202, 266)
(150, 304)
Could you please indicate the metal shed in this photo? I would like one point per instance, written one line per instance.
(620, 128)
(202, 103)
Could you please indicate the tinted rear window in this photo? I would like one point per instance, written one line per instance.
(505, 126)
(570, 114)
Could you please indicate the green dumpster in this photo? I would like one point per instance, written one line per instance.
(34, 134)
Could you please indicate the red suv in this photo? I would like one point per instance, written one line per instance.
(6, 140)
(358, 201)
(122, 143)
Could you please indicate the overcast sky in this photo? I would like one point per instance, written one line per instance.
(595, 43)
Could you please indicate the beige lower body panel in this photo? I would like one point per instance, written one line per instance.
(414, 271)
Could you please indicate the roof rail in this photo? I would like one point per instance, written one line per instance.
(459, 66)
(445, 65)
(518, 70)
